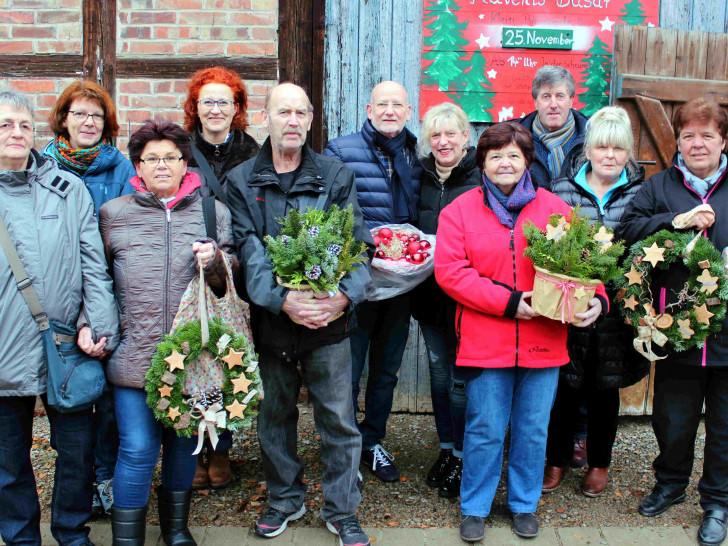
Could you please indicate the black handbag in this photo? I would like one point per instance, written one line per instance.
(75, 380)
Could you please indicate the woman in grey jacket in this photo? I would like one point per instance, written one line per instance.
(50, 217)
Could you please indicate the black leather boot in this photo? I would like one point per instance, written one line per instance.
(439, 470)
(128, 526)
(174, 512)
(450, 488)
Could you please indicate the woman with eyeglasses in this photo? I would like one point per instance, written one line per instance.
(154, 241)
(84, 122)
(216, 118)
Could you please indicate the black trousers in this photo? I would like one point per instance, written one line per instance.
(602, 412)
(680, 391)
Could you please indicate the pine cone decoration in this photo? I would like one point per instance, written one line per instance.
(313, 231)
(334, 250)
(585, 254)
(314, 272)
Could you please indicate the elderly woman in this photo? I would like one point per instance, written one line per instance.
(153, 239)
(686, 380)
(449, 170)
(84, 122)
(602, 360)
(480, 264)
(216, 118)
(48, 215)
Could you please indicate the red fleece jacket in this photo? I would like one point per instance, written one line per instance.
(479, 262)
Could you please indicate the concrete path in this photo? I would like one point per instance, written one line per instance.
(319, 536)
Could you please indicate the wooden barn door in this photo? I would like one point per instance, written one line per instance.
(655, 71)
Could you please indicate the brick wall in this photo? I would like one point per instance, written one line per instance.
(146, 28)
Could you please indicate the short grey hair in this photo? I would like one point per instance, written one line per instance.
(442, 113)
(19, 101)
(553, 76)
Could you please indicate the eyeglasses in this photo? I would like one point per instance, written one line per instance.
(170, 160)
(209, 104)
(81, 116)
(397, 106)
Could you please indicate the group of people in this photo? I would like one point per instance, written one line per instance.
(110, 245)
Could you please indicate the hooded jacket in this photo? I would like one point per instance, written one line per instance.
(539, 169)
(429, 303)
(257, 202)
(662, 197)
(50, 217)
(108, 176)
(149, 250)
(373, 183)
(479, 263)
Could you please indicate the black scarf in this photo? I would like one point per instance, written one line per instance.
(403, 195)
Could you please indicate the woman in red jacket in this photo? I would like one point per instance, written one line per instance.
(508, 356)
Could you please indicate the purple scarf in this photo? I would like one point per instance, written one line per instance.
(521, 196)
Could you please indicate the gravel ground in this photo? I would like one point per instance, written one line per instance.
(409, 502)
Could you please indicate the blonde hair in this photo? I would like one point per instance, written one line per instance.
(435, 116)
(610, 126)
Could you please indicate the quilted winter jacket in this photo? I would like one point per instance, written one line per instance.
(49, 215)
(479, 263)
(149, 251)
(662, 197)
(257, 202)
(617, 364)
(108, 176)
(373, 184)
(540, 167)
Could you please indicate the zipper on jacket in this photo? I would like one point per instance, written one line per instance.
(167, 268)
(513, 253)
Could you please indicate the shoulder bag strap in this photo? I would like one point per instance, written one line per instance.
(208, 213)
(210, 177)
(25, 285)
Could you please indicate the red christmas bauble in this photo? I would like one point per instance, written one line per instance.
(385, 233)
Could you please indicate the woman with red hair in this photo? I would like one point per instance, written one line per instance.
(216, 118)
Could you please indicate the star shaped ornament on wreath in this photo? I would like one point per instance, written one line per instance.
(176, 361)
(654, 254)
(709, 282)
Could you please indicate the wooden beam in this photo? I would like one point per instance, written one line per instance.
(92, 10)
(108, 46)
(249, 68)
(670, 89)
(41, 66)
(659, 126)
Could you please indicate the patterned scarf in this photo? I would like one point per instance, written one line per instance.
(522, 195)
(702, 185)
(78, 161)
(555, 141)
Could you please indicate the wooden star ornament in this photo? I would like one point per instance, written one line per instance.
(173, 413)
(236, 409)
(233, 358)
(553, 232)
(631, 302)
(165, 391)
(683, 326)
(710, 283)
(703, 314)
(634, 276)
(654, 254)
(176, 361)
(603, 236)
(241, 384)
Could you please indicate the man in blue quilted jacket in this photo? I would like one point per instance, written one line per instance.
(383, 158)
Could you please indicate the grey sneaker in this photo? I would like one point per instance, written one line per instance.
(472, 528)
(105, 492)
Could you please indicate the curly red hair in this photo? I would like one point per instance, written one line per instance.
(216, 74)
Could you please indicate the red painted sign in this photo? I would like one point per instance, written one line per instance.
(483, 54)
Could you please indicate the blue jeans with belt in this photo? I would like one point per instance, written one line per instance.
(140, 438)
(498, 397)
(72, 438)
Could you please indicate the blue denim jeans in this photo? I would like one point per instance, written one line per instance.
(327, 376)
(107, 438)
(72, 438)
(140, 438)
(448, 396)
(382, 329)
(497, 397)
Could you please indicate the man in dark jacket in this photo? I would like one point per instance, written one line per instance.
(384, 160)
(558, 130)
(288, 174)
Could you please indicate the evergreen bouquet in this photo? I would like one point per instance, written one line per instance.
(315, 249)
(571, 257)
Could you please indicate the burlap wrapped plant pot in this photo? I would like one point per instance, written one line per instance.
(560, 297)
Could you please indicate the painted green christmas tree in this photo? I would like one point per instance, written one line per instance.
(447, 41)
(596, 77)
(632, 13)
(472, 89)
